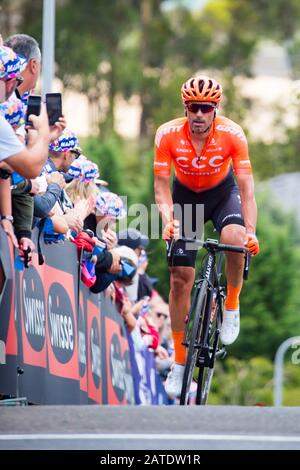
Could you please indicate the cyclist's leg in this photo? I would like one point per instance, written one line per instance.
(182, 274)
(193, 210)
(181, 283)
(229, 222)
(233, 234)
(182, 264)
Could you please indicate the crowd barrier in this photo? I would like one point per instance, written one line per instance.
(61, 344)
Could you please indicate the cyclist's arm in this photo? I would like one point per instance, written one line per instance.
(249, 209)
(163, 197)
(162, 173)
(243, 173)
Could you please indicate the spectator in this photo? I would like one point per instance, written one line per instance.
(82, 187)
(138, 242)
(22, 206)
(109, 209)
(28, 161)
(27, 47)
(62, 153)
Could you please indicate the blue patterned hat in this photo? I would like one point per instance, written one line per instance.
(11, 64)
(110, 205)
(67, 141)
(83, 170)
(13, 110)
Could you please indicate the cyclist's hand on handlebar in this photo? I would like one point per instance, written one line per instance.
(171, 230)
(252, 244)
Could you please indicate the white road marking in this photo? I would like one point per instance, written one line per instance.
(174, 437)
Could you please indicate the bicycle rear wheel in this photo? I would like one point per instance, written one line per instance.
(195, 334)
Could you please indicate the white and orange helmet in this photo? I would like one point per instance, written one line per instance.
(201, 88)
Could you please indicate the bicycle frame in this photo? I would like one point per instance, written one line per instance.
(203, 329)
(209, 273)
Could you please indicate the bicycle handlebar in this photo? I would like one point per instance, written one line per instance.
(214, 245)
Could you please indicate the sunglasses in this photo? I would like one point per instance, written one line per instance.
(204, 108)
(159, 314)
(76, 153)
(19, 80)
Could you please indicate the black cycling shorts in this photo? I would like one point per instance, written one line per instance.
(221, 205)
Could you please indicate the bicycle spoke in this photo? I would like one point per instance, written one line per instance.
(209, 354)
(194, 338)
(207, 385)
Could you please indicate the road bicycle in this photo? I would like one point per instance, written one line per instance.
(204, 321)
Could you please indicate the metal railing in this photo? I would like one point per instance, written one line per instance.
(279, 366)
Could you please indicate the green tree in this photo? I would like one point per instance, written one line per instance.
(270, 300)
(107, 155)
(240, 382)
(278, 157)
(89, 49)
(250, 382)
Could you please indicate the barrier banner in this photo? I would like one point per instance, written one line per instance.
(61, 344)
(51, 327)
(148, 387)
(136, 376)
(8, 333)
(118, 382)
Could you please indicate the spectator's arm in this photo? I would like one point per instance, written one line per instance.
(43, 204)
(59, 224)
(161, 352)
(5, 197)
(22, 210)
(30, 160)
(128, 316)
(5, 209)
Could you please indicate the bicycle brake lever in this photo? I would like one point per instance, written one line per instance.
(170, 248)
(247, 265)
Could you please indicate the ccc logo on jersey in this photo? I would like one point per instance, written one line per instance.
(200, 164)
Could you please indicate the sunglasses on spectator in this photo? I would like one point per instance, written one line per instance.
(76, 153)
(18, 79)
(204, 108)
(160, 314)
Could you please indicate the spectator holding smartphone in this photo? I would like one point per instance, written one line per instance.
(27, 47)
(27, 161)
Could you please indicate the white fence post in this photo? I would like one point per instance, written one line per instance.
(278, 368)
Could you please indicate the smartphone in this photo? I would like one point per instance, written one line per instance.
(34, 107)
(54, 107)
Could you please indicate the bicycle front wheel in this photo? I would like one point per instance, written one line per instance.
(193, 349)
(209, 336)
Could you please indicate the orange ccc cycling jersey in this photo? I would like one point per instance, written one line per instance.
(226, 143)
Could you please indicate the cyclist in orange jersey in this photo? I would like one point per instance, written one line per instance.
(213, 173)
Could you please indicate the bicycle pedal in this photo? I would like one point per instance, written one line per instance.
(221, 354)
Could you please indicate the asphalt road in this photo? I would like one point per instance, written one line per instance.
(149, 428)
